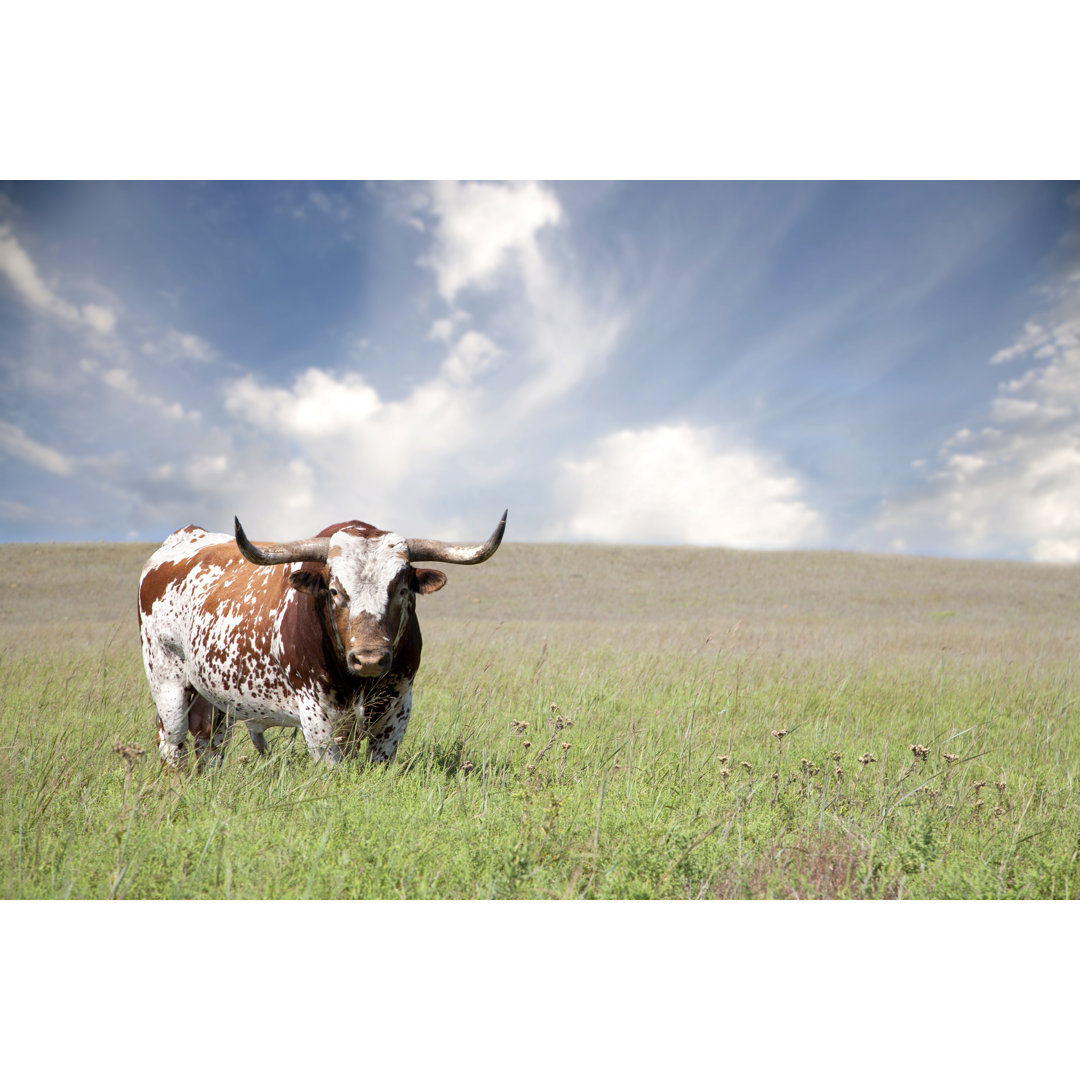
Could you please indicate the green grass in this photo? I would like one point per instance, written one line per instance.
(673, 667)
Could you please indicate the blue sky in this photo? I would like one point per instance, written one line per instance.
(866, 366)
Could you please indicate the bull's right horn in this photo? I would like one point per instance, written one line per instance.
(317, 549)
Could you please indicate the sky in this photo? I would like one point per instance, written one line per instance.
(871, 366)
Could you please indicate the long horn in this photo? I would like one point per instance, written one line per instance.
(314, 550)
(437, 551)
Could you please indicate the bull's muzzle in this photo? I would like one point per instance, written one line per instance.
(369, 662)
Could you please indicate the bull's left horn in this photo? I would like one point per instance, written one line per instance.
(438, 551)
(317, 549)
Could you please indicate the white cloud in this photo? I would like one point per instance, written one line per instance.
(471, 356)
(331, 205)
(17, 266)
(16, 511)
(331, 441)
(444, 329)
(122, 381)
(177, 346)
(682, 484)
(14, 441)
(319, 405)
(484, 228)
(1011, 489)
(99, 318)
(550, 335)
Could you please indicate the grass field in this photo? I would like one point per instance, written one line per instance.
(589, 721)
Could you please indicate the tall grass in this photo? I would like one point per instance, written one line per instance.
(619, 740)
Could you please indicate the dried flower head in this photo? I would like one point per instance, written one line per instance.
(566, 746)
(466, 767)
(725, 773)
(527, 744)
(951, 759)
(920, 751)
(519, 726)
(835, 755)
(780, 734)
(978, 784)
(1000, 785)
(723, 759)
(747, 766)
(129, 752)
(866, 759)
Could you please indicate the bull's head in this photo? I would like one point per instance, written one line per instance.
(369, 582)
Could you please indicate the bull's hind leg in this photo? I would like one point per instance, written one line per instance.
(258, 739)
(210, 729)
(171, 701)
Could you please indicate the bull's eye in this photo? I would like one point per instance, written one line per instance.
(334, 593)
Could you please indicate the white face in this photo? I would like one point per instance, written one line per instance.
(371, 598)
(368, 575)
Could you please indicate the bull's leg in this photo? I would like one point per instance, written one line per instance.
(170, 697)
(387, 732)
(258, 739)
(210, 729)
(318, 734)
(222, 726)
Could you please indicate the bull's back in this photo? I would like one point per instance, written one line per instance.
(185, 557)
(202, 603)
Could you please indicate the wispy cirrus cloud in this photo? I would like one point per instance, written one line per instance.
(1012, 486)
(549, 334)
(15, 441)
(22, 274)
(124, 382)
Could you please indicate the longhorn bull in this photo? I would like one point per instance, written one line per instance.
(319, 634)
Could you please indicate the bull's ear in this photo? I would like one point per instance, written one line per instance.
(429, 580)
(309, 581)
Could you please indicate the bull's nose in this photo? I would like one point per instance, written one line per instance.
(369, 661)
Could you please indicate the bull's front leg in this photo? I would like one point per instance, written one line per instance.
(318, 733)
(386, 733)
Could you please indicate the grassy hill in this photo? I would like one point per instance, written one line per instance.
(674, 667)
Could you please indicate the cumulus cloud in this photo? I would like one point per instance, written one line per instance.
(682, 484)
(318, 406)
(484, 228)
(1011, 488)
(355, 444)
(21, 272)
